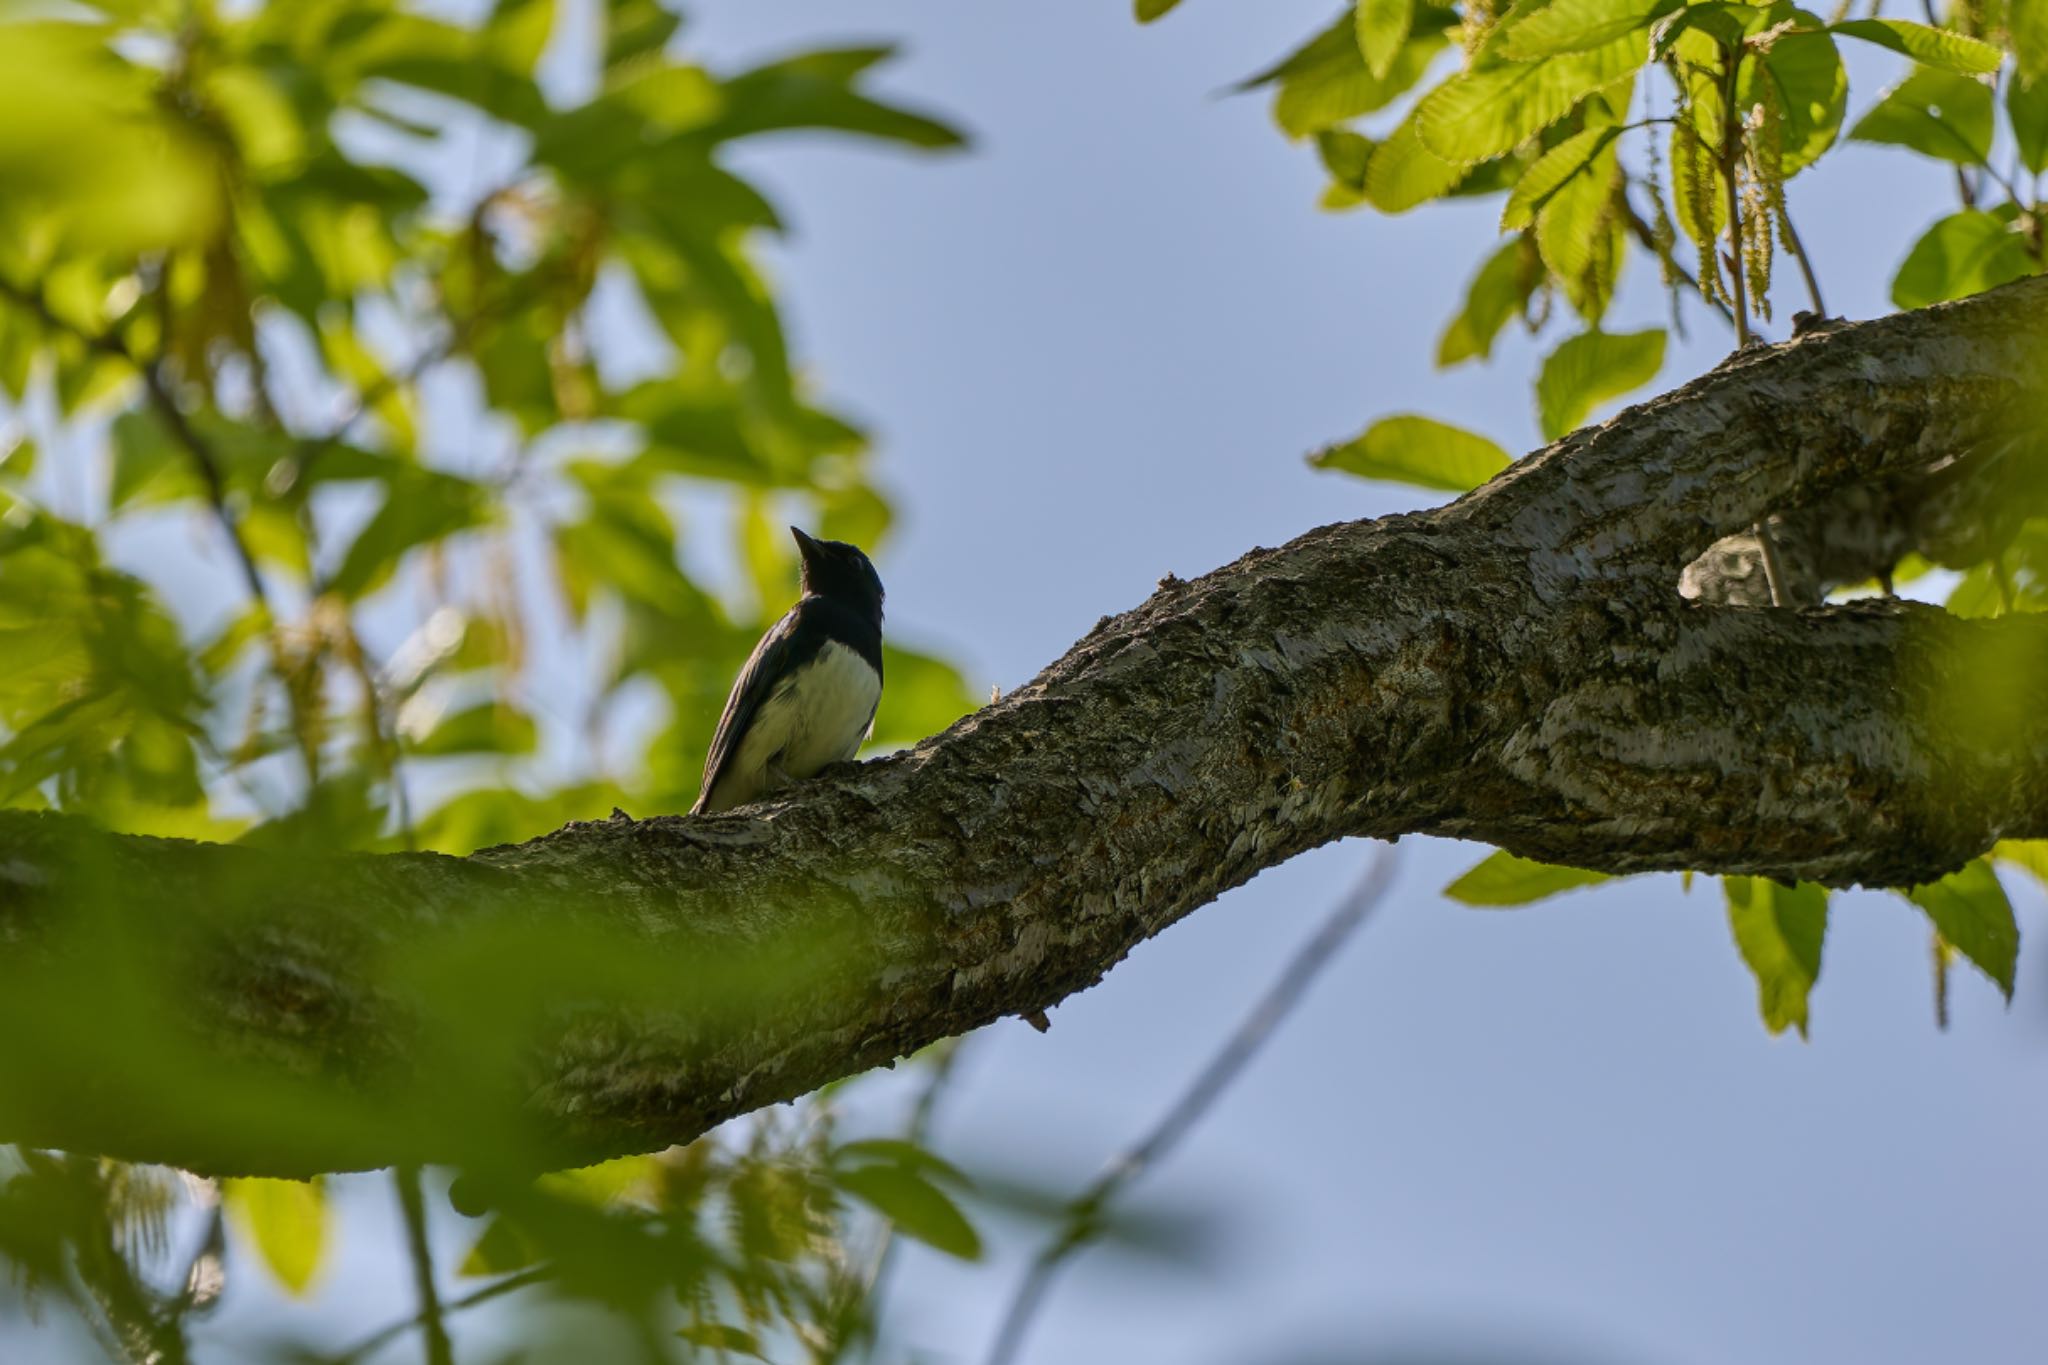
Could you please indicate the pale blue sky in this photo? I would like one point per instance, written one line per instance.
(1094, 351)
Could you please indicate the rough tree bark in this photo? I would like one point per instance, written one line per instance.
(1518, 667)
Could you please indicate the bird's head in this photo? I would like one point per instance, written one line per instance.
(834, 569)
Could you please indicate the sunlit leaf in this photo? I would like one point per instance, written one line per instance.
(1569, 159)
(1577, 25)
(287, 1220)
(1500, 291)
(1779, 931)
(1502, 879)
(1148, 10)
(1416, 450)
(1935, 47)
(1488, 111)
(1579, 235)
(1971, 912)
(1404, 173)
(1590, 368)
(1382, 29)
(1326, 81)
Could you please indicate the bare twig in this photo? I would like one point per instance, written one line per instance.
(496, 1289)
(1084, 1215)
(407, 1178)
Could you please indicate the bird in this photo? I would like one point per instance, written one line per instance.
(807, 696)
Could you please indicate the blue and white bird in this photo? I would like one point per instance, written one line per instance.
(807, 697)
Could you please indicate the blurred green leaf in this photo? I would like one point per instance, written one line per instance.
(1416, 450)
(1936, 113)
(917, 1207)
(1326, 81)
(287, 1220)
(420, 507)
(492, 728)
(1501, 878)
(1962, 254)
(921, 696)
(1501, 290)
(1590, 368)
(717, 1336)
(1941, 48)
(500, 1249)
(908, 1155)
(2027, 22)
(1148, 10)
(1404, 173)
(1382, 31)
(2026, 107)
(815, 91)
(1779, 931)
(1971, 912)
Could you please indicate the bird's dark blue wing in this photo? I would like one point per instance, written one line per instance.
(767, 665)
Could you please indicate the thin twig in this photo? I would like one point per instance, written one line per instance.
(1084, 1215)
(496, 1289)
(1647, 235)
(407, 1178)
(1793, 240)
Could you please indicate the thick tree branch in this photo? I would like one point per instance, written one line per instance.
(1517, 668)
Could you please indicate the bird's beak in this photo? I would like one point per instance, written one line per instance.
(804, 544)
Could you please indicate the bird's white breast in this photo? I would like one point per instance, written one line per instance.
(817, 716)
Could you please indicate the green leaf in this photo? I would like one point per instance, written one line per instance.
(2029, 855)
(1970, 911)
(1326, 81)
(1936, 47)
(501, 1249)
(815, 91)
(2026, 106)
(1580, 236)
(1936, 113)
(718, 1336)
(1382, 29)
(1590, 368)
(1965, 253)
(492, 728)
(1779, 930)
(1419, 451)
(1804, 74)
(2027, 22)
(422, 506)
(1345, 155)
(1490, 110)
(917, 1207)
(1403, 173)
(1501, 878)
(1567, 159)
(1578, 25)
(897, 1152)
(287, 1219)
(1498, 292)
